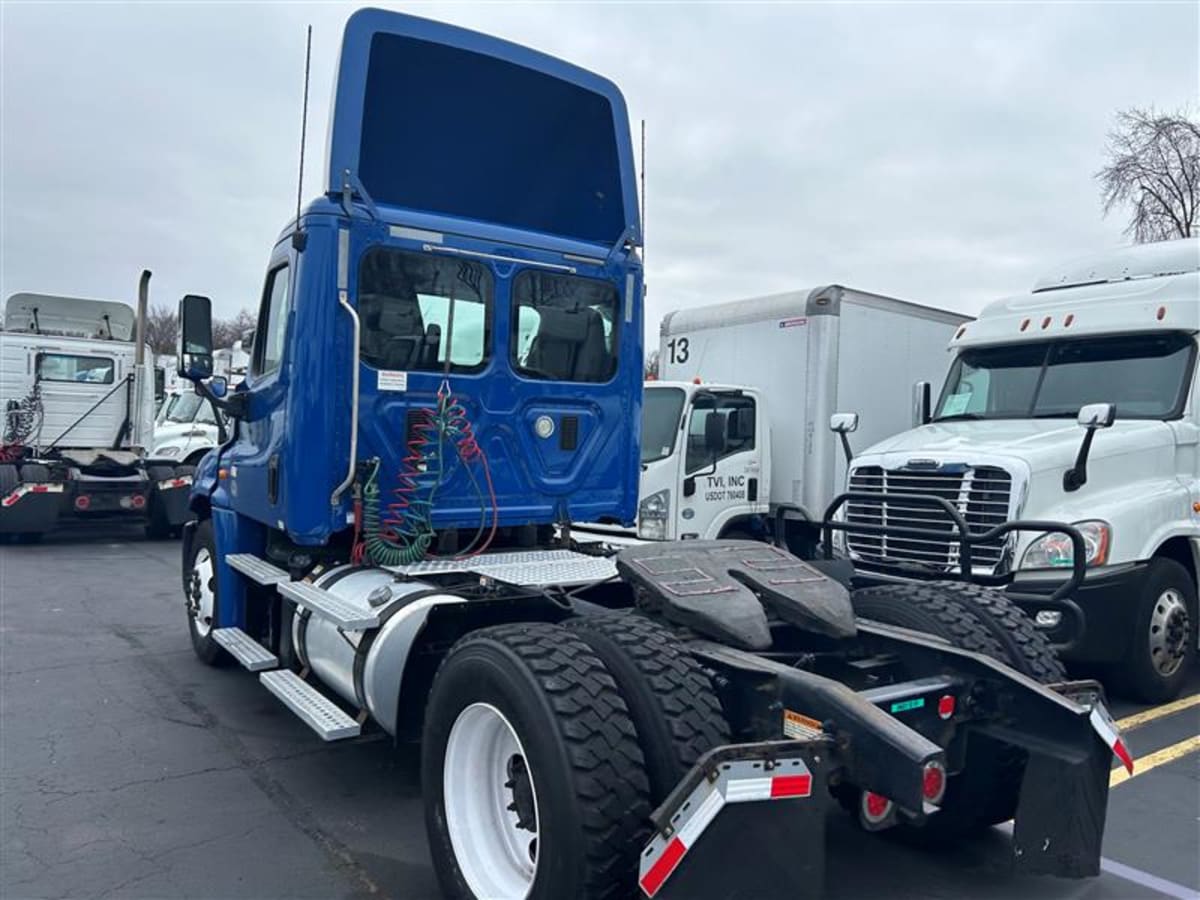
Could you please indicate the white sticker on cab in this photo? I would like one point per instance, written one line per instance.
(392, 381)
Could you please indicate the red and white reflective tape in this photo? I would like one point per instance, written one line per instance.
(170, 483)
(24, 489)
(1108, 731)
(742, 781)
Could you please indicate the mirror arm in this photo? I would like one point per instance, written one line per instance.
(1076, 476)
(234, 405)
(846, 448)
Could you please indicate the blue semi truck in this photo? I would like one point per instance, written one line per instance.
(446, 372)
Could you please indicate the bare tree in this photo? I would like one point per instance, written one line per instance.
(162, 329)
(1154, 170)
(650, 367)
(226, 331)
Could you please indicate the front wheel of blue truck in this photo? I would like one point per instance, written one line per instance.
(533, 781)
(200, 594)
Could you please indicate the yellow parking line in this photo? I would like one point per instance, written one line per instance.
(1157, 712)
(1155, 759)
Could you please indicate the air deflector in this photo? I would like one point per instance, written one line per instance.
(444, 121)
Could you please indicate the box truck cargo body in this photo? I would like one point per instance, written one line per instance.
(771, 371)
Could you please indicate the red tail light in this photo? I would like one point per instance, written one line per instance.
(82, 502)
(137, 501)
(945, 706)
(875, 810)
(933, 784)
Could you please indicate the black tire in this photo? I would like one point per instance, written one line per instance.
(987, 622)
(207, 650)
(185, 469)
(194, 460)
(35, 473)
(671, 701)
(741, 533)
(580, 747)
(159, 473)
(1138, 676)
(9, 479)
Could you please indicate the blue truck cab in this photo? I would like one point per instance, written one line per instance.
(475, 256)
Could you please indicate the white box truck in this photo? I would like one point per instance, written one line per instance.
(1077, 402)
(735, 435)
(77, 397)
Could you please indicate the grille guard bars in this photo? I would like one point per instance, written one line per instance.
(1059, 600)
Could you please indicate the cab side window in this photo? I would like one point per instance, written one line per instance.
(271, 334)
(718, 427)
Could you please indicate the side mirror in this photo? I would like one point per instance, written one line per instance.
(195, 350)
(843, 424)
(218, 386)
(920, 404)
(714, 434)
(1092, 417)
(1097, 415)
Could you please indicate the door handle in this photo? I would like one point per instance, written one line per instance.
(273, 479)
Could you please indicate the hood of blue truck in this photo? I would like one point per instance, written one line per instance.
(540, 150)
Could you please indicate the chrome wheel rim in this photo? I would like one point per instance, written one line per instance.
(202, 601)
(1168, 633)
(491, 804)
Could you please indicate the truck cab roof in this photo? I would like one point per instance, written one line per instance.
(69, 317)
(1147, 288)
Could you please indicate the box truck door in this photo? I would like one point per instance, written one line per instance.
(722, 471)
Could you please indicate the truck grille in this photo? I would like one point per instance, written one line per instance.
(980, 494)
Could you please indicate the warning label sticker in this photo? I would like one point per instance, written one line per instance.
(799, 726)
(392, 381)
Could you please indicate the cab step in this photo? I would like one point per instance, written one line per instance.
(257, 569)
(320, 713)
(329, 606)
(245, 649)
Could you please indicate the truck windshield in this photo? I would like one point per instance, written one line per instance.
(1146, 376)
(190, 408)
(661, 407)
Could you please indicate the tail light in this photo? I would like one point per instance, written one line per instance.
(933, 782)
(82, 502)
(137, 501)
(876, 811)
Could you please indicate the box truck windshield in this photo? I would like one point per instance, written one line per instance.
(1146, 376)
(661, 407)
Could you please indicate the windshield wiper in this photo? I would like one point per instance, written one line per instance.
(1056, 415)
(958, 417)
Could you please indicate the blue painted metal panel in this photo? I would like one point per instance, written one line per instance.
(439, 119)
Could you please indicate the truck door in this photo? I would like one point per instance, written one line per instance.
(254, 459)
(722, 470)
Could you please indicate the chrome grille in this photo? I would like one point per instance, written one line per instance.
(980, 494)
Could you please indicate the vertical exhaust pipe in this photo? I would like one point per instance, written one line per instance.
(143, 307)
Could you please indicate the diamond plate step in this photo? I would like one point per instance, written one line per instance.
(256, 569)
(320, 713)
(245, 649)
(328, 606)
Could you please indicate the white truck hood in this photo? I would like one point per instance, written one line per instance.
(1042, 444)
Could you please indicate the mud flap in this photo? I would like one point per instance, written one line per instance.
(1060, 814)
(747, 822)
(172, 497)
(31, 508)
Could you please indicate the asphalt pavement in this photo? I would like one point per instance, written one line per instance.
(128, 769)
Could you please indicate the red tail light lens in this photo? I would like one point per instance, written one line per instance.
(933, 785)
(946, 706)
(82, 502)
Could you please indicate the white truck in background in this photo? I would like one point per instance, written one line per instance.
(735, 436)
(77, 395)
(1079, 403)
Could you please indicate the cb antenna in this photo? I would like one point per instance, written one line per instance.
(643, 193)
(298, 236)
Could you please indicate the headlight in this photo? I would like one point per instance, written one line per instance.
(1055, 551)
(166, 451)
(653, 513)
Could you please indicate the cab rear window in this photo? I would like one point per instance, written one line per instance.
(67, 367)
(405, 304)
(565, 327)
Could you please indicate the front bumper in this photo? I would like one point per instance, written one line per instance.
(1097, 620)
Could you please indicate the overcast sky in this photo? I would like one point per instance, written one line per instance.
(939, 153)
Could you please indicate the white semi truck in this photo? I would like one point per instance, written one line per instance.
(1077, 402)
(77, 395)
(734, 437)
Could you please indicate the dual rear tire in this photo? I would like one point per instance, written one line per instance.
(546, 748)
